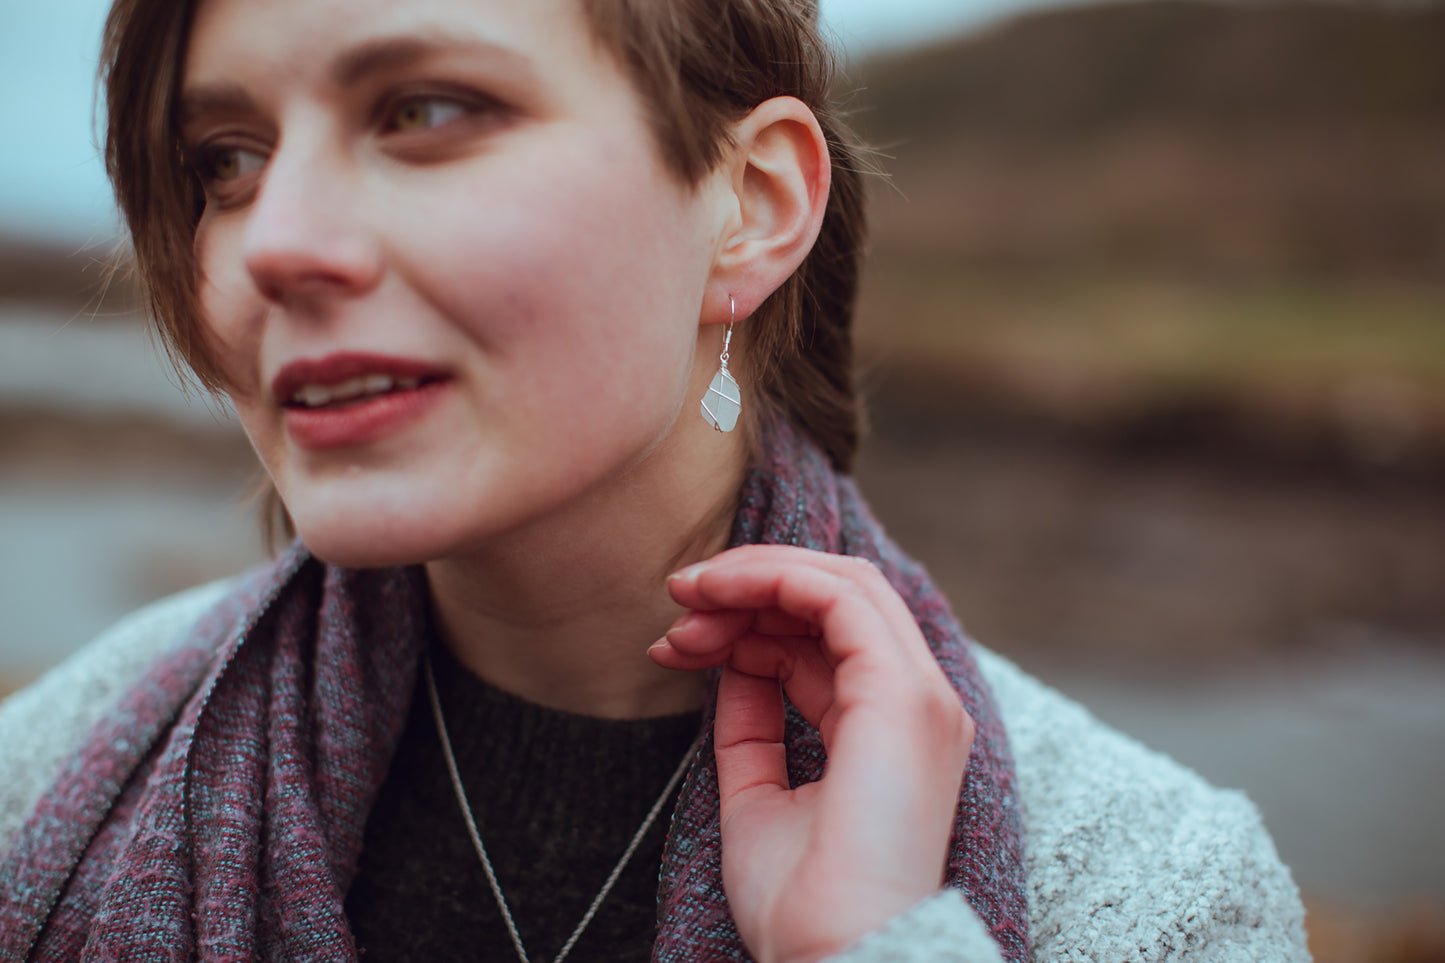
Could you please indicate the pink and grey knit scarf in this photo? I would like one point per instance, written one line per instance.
(217, 810)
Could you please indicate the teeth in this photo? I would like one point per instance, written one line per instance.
(348, 389)
(316, 396)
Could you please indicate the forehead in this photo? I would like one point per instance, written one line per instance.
(283, 40)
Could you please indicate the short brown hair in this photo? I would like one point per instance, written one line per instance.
(700, 65)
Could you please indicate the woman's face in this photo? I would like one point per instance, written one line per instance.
(450, 282)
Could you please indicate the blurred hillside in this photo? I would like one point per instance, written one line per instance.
(82, 278)
(1203, 139)
(1196, 222)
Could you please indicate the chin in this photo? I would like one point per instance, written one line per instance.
(371, 539)
(368, 519)
(355, 556)
(357, 550)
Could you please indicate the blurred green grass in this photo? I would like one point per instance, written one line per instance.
(1143, 334)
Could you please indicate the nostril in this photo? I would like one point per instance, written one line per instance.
(313, 268)
(268, 289)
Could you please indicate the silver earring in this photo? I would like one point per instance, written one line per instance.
(724, 400)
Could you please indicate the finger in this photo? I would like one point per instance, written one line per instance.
(775, 622)
(870, 580)
(864, 576)
(701, 632)
(701, 640)
(797, 662)
(855, 568)
(873, 673)
(878, 681)
(884, 763)
(748, 739)
(885, 677)
(852, 626)
(705, 640)
(662, 653)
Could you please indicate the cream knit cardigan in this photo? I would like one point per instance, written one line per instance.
(1130, 856)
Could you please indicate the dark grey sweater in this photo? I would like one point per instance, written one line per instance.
(557, 797)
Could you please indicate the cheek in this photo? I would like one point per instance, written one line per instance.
(593, 256)
(230, 309)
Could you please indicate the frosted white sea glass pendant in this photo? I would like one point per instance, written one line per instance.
(724, 400)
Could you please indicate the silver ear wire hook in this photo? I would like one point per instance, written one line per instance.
(728, 334)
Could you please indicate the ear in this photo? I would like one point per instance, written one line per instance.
(779, 174)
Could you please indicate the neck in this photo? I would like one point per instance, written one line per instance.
(561, 611)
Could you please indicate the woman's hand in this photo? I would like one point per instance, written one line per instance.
(810, 870)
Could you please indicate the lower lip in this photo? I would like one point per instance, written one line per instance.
(362, 422)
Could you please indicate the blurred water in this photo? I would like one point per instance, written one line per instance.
(1343, 752)
(88, 536)
(78, 555)
(84, 364)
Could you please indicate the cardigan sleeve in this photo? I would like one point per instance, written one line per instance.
(1130, 856)
(1253, 924)
(1211, 899)
(941, 929)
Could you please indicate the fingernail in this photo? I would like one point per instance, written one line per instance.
(689, 574)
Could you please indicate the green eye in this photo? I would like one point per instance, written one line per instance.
(226, 166)
(423, 113)
(220, 164)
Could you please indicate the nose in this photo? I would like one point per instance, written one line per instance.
(303, 237)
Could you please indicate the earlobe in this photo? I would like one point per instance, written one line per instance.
(780, 174)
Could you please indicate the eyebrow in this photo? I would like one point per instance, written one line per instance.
(392, 53)
(213, 99)
(367, 57)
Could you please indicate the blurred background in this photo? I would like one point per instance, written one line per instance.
(1153, 335)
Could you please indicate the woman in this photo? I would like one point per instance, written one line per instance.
(480, 279)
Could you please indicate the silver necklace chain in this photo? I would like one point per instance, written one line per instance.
(436, 709)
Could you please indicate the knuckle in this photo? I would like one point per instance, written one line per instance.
(966, 728)
(943, 714)
(867, 569)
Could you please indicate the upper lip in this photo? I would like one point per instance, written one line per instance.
(343, 366)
